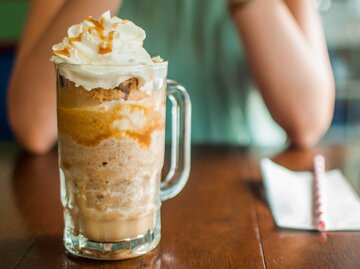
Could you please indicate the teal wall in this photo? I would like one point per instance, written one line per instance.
(12, 19)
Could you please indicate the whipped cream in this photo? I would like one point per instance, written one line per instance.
(105, 52)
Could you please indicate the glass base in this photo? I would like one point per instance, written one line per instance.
(128, 248)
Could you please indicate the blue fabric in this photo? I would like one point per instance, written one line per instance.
(6, 62)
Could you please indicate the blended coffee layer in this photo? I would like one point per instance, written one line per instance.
(106, 188)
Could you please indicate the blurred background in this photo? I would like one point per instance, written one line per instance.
(341, 19)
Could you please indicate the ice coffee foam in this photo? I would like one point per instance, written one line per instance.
(105, 52)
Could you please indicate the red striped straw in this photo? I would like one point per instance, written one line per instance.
(319, 206)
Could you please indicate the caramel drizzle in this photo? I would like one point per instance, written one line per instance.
(98, 27)
(64, 52)
(106, 46)
(77, 38)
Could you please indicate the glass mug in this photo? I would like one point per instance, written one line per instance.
(111, 153)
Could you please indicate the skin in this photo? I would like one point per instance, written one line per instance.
(284, 36)
(34, 122)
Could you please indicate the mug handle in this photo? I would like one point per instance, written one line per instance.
(179, 171)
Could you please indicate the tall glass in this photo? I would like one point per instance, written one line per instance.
(111, 153)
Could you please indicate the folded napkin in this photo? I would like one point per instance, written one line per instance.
(290, 196)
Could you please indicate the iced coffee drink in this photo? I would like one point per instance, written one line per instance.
(111, 98)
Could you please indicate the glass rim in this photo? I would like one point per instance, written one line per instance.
(153, 65)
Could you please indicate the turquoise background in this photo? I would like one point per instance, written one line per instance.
(12, 19)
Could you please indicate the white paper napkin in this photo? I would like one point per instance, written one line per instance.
(290, 196)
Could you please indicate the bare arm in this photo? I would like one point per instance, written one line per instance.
(36, 23)
(288, 58)
(32, 96)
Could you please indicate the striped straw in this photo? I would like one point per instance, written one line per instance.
(319, 206)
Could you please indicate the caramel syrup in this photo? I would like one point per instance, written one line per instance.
(98, 27)
(77, 38)
(106, 46)
(64, 52)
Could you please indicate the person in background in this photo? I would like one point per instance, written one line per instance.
(282, 41)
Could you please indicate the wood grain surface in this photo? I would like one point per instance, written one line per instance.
(220, 220)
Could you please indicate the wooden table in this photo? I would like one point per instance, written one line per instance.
(220, 220)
